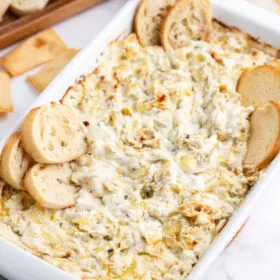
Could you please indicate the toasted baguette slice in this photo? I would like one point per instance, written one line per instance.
(187, 20)
(6, 104)
(259, 85)
(4, 5)
(149, 18)
(51, 186)
(14, 162)
(35, 51)
(53, 134)
(42, 79)
(25, 7)
(264, 139)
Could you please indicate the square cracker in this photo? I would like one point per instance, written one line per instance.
(36, 50)
(41, 79)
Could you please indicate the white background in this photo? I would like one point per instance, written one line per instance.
(255, 252)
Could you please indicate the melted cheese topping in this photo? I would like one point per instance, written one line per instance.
(167, 136)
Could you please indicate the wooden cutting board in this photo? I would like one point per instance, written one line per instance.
(13, 29)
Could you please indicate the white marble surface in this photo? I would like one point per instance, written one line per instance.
(255, 252)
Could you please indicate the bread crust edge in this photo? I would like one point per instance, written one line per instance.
(5, 160)
(274, 151)
(28, 142)
(136, 21)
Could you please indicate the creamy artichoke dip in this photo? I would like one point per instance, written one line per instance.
(167, 136)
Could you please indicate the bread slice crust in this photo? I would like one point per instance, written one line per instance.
(14, 162)
(172, 37)
(258, 133)
(259, 85)
(53, 134)
(148, 30)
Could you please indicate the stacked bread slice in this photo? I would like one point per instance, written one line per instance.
(149, 19)
(14, 162)
(172, 23)
(36, 158)
(260, 87)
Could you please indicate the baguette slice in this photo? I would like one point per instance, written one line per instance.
(259, 85)
(4, 5)
(35, 51)
(51, 186)
(53, 134)
(25, 7)
(42, 79)
(14, 162)
(187, 20)
(149, 18)
(6, 104)
(264, 139)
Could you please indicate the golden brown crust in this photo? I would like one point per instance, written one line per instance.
(6, 151)
(270, 142)
(136, 23)
(276, 146)
(27, 139)
(14, 162)
(65, 95)
(70, 91)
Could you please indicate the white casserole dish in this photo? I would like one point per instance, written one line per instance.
(18, 264)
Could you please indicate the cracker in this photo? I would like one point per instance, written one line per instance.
(6, 104)
(42, 79)
(35, 51)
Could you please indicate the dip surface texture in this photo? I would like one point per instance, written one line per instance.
(167, 136)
